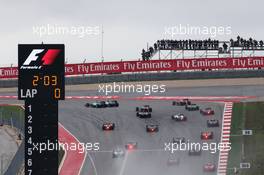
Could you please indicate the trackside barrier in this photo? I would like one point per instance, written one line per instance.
(16, 121)
(93, 79)
(188, 64)
(17, 161)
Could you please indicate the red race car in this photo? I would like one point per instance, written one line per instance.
(207, 111)
(209, 167)
(206, 135)
(108, 126)
(131, 145)
(152, 128)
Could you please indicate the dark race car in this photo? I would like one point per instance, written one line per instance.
(192, 107)
(213, 123)
(207, 111)
(179, 117)
(131, 145)
(206, 135)
(145, 108)
(142, 114)
(209, 167)
(108, 126)
(182, 102)
(112, 103)
(118, 152)
(152, 128)
(195, 152)
(98, 104)
(173, 161)
(178, 140)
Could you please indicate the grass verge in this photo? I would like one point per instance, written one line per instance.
(247, 116)
(16, 115)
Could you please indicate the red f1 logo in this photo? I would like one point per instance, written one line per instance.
(50, 56)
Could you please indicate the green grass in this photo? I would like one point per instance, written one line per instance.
(248, 116)
(16, 112)
(12, 115)
(237, 118)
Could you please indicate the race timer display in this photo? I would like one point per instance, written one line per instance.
(41, 83)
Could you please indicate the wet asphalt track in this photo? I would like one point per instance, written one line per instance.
(150, 158)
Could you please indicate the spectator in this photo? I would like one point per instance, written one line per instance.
(143, 54)
(155, 47)
(225, 47)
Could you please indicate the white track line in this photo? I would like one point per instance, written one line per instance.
(225, 136)
(63, 159)
(124, 164)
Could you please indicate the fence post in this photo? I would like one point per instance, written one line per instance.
(1, 166)
(11, 120)
(1, 112)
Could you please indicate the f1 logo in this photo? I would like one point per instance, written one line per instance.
(47, 59)
(33, 56)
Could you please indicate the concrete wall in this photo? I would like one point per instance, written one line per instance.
(92, 79)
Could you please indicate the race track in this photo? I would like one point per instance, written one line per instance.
(150, 158)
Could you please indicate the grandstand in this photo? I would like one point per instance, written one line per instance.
(181, 49)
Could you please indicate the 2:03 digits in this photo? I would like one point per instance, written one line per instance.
(47, 80)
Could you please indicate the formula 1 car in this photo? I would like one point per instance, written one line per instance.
(152, 128)
(209, 167)
(207, 111)
(212, 123)
(195, 152)
(179, 117)
(173, 161)
(142, 114)
(131, 145)
(112, 103)
(108, 126)
(207, 135)
(182, 102)
(118, 152)
(192, 107)
(145, 108)
(178, 140)
(98, 104)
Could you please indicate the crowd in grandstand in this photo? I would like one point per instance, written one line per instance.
(146, 55)
(188, 44)
(246, 44)
(207, 44)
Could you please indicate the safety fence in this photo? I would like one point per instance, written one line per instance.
(94, 79)
(118, 67)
